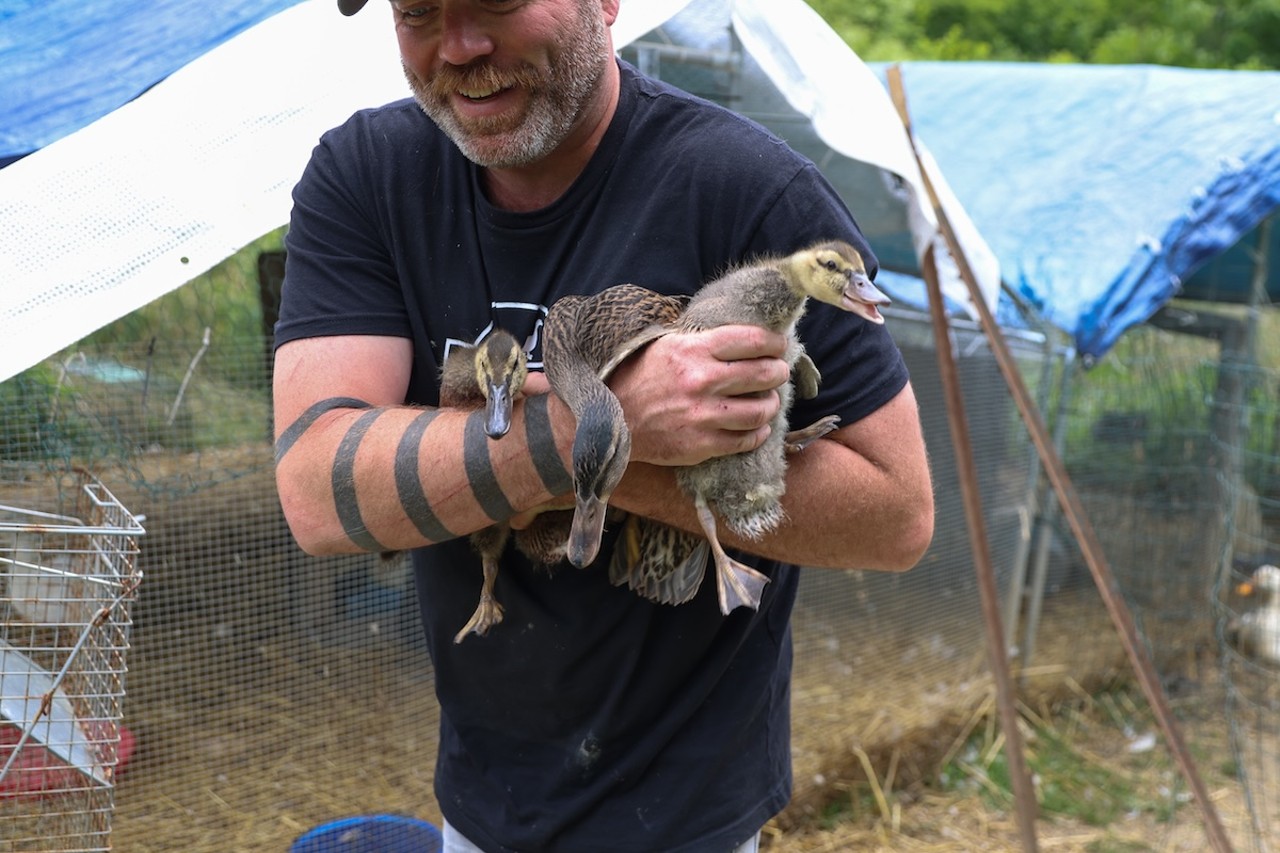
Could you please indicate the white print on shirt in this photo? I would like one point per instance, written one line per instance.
(518, 318)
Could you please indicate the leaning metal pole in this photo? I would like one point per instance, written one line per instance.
(1024, 793)
(1071, 506)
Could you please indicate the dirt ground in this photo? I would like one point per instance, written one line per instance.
(900, 804)
(270, 763)
(928, 820)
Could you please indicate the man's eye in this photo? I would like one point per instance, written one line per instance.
(416, 12)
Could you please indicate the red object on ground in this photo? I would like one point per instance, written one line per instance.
(38, 772)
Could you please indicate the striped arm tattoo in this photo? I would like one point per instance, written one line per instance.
(344, 483)
(542, 446)
(480, 473)
(409, 485)
(295, 430)
(413, 498)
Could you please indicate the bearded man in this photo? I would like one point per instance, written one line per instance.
(532, 164)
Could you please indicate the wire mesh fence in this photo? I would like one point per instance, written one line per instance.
(271, 692)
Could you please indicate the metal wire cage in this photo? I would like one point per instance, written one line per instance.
(66, 585)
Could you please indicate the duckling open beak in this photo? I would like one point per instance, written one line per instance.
(587, 530)
(863, 298)
(497, 410)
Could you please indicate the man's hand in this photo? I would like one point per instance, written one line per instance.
(691, 396)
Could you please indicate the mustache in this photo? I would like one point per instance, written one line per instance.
(480, 76)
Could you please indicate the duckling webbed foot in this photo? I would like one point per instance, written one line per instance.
(488, 613)
(488, 610)
(489, 543)
(798, 439)
(737, 584)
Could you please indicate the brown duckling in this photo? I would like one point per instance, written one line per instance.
(584, 339)
(489, 375)
(745, 488)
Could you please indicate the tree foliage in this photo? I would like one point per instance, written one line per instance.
(1191, 33)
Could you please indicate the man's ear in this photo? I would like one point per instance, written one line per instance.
(610, 8)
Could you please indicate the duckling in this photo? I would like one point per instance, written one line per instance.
(745, 488)
(584, 339)
(1256, 634)
(491, 375)
(545, 540)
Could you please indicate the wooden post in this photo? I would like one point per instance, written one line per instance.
(1024, 793)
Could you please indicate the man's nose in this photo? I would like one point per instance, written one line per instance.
(463, 35)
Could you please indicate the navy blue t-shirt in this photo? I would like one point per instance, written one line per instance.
(589, 719)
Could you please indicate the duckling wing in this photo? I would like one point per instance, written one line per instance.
(805, 375)
(610, 325)
(458, 384)
(630, 345)
(1268, 636)
(1256, 634)
(659, 562)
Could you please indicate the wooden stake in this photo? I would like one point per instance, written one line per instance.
(1024, 793)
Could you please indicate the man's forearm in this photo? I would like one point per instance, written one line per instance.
(354, 477)
(833, 519)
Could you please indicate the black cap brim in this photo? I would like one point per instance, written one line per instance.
(350, 7)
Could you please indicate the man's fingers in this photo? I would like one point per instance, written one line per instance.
(732, 343)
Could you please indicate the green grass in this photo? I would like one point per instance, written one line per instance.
(1073, 777)
(225, 300)
(859, 805)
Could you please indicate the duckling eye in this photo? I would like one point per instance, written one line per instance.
(831, 265)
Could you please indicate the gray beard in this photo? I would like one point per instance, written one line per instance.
(558, 97)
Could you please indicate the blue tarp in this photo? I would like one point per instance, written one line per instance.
(65, 63)
(1102, 189)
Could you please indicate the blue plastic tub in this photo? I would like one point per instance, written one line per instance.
(379, 833)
